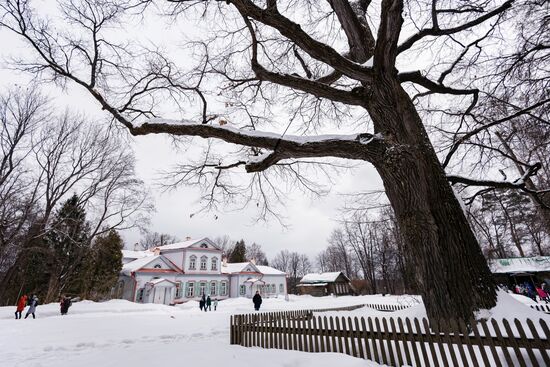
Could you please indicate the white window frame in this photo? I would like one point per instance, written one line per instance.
(281, 288)
(204, 260)
(192, 262)
(214, 263)
(213, 286)
(223, 289)
(202, 288)
(190, 291)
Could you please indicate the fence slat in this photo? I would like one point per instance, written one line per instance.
(394, 336)
(447, 338)
(333, 336)
(373, 340)
(490, 342)
(431, 342)
(410, 333)
(405, 340)
(513, 342)
(380, 338)
(420, 336)
(502, 342)
(458, 340)
(390, 339)
(358, 334)
(464, 330)
(441, 347)
(365, 338)
(522, 335)
(544, 352)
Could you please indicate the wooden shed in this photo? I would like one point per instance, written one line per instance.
(324, 284)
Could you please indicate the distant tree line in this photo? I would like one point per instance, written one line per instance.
(66, 185)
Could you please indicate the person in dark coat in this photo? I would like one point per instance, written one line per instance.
(21, 304)
(257, 300)
(208, 304)
(33, 303)
(64, 305)
(202, 303)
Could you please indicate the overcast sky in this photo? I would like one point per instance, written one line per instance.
(310, 221)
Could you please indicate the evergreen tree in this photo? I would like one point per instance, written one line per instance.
(68, 242)
(103, 265)
(238, 255)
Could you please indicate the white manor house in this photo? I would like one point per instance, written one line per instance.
(184, 271)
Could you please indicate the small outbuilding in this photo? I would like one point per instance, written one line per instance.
(323, 284)
(512, 271)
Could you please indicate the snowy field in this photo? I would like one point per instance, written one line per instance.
(120, 333)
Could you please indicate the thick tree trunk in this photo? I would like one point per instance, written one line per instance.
(450, 271)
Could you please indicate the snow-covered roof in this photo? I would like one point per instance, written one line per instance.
(231, 268)
(185, 244)
(321, 277)
(520, 265)
(131, 254)
(137, 264)
(268, 270)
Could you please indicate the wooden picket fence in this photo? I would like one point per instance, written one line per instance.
(379, 307)
(397, 341)
(543, 308)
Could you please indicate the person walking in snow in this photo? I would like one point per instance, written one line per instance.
(215, 304)
(257, 300)
(20, 306)
(208, 304)
(65, 304)
(33, 303)
(202, 303)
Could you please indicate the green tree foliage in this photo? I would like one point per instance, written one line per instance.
(238, 255)
(69, 243)
(103, 265)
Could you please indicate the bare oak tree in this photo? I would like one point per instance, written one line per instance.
(321, 60)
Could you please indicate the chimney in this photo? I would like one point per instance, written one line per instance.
(156, 251)
(253, 260)
(136, 246)
(187, 238)
(224, 261)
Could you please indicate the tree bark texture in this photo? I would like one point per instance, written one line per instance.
(449, 268)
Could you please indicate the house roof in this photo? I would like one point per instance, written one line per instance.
(187, 244)
(131, 254)
(322, 277)
(520, 265)
(136, 265)
(312, 285)
(231, 268)
(268, 270)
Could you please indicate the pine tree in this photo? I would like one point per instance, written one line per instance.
(103, 265)
(238, 255)
(68, 242)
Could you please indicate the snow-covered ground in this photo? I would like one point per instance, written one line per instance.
(120, 333)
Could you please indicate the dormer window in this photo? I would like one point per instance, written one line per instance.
(157, 266)
(214, 263)
(204, 245)
(192, 262)
(203, 262)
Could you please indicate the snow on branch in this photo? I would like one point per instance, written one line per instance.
(518, 184)
(363, 146)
